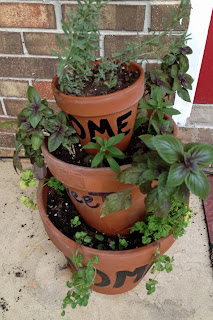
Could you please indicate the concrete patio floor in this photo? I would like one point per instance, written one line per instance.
(33, 272)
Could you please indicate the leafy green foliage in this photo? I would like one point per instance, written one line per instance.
(106, 151)
(79, 43)
(81, 40)
(75, 222)
(82, 237)
(121, 200)
(35, 122)
(27, 179)
(55, 183)
(154, 228)
(29, 203)
(99, 237)
(161, 263)
(82, 279)
(177, 169)
(122, 242)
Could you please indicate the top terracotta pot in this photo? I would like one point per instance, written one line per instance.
(105, 115)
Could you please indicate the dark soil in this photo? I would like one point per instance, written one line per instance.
(93, 87)
(61, 210)
(81, 158)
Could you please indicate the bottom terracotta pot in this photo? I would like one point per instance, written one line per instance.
(117, 271)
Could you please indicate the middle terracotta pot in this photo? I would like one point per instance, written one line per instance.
(88, 187)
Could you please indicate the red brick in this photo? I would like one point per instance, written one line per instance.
(14, 106)
(158, 12)
(44, 68)
(10, 42)
(11, 129)
(44, 88)
(114, 44)
(13, 88)
(118, 17)
(47, 42)
(27, 15)
(6, 140)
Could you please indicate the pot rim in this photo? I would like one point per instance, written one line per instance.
(104, 96)
(69, 242)
(82, 168)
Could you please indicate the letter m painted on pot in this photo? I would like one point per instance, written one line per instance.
(121, 276)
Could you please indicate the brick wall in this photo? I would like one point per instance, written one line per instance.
(27, 35)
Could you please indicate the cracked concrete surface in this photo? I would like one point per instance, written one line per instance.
(33, 272)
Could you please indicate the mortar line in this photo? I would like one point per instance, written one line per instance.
(23, 44)
(3, 106)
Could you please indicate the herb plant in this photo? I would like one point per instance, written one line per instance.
(82, 237)
(35, 122)
(82, 279)
(107, 151)
(75, 222)
(161, 263)
(77, 63)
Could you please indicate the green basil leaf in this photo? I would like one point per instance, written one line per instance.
(148, 140)
(198, 184)
(164, 191)
(182, 193)
(177, 174)
(37, 139)
(117, 201)
(201, 154)
(54, 141)
(168, 147)
(35, 119)
(184, 63)
(160, 209)
(33, 96)
(183, 93)
(130, 175)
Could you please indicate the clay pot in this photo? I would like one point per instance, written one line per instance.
(88, 187)
(105, 115)
(117, 271)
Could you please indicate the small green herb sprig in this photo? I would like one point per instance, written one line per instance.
(27, 179)
(154, 228)
(106, 151)
(82, 279)
(161, 263)
(82, 237)
(75, 222)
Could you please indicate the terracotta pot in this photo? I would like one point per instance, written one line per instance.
(88, 187)
(117, 271)
(105, 115)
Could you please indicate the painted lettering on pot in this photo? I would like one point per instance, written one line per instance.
(103, 127)
(121, 276)
(88, 199)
